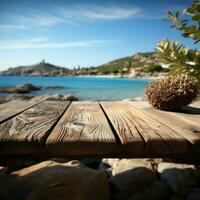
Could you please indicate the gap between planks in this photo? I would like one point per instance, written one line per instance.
(140, 133)
(28, 131)
(184, 124)
(83, 129)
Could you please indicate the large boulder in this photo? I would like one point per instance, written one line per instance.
(194, 195)
(26, 88)
(155, 191)
(22, 88)
(61, 97)
(181, 178)
(127, 183)
(12, 97)
(122, 165)
(60, 181)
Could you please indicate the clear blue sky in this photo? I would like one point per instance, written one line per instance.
(86, 33)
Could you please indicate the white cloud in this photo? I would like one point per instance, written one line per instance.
(42, 42)
(100, 12)
(38, 39)
(44, 20)
(69, 15)
(11, 26)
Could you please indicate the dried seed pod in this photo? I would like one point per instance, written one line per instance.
(172, 93)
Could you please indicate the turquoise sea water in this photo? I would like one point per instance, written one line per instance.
(85, 88)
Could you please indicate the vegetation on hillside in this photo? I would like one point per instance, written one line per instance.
(147, 62)
(40, 69)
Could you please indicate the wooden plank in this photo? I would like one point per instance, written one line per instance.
(196, 103)
(83, 130)
(126, 131)
(185, 125)
(23, 132)
(140, 133)
(12, 108)
(191, 114)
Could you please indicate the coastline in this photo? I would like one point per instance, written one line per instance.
(90, 76)
(122, 77)
(83, 87)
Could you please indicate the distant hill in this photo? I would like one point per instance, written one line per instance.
(40, 69)
(144, 62)
(136, 60)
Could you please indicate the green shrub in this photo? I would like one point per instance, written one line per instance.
(154, 68)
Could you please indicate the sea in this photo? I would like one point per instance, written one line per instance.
(84, 88)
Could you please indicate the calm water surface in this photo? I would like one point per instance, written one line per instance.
(84, 88)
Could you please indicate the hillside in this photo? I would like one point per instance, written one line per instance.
(136, 65)
(123, 64)
(143, 63)
(40, 69)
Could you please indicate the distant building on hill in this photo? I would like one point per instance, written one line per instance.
(136, 72)
(43, 61)
(137, 56)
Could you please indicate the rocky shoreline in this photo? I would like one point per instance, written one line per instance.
(116, 179)
(27, 88)
(23, 92)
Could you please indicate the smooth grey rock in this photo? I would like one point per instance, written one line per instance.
(194, 195)
(61, 97)
(155, 191)
(51, 180)
(105, 168)
(180, 178)
(127, 183)
(110, 161)
(22, 88)
(121, 165)
(12, 97)
(26, 88)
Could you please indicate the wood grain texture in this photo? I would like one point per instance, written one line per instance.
(186, 125)
(108, 129)
(83, 130)
(12, 108)
(142, 134)
(30, 127)
(125, 129)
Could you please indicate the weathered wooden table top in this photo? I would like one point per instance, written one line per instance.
(105, 129)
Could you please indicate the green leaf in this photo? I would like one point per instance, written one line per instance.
(171, 16)
(165, 20)
(196, 17)
(159, 49)
(177, 14)
(190, 29)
